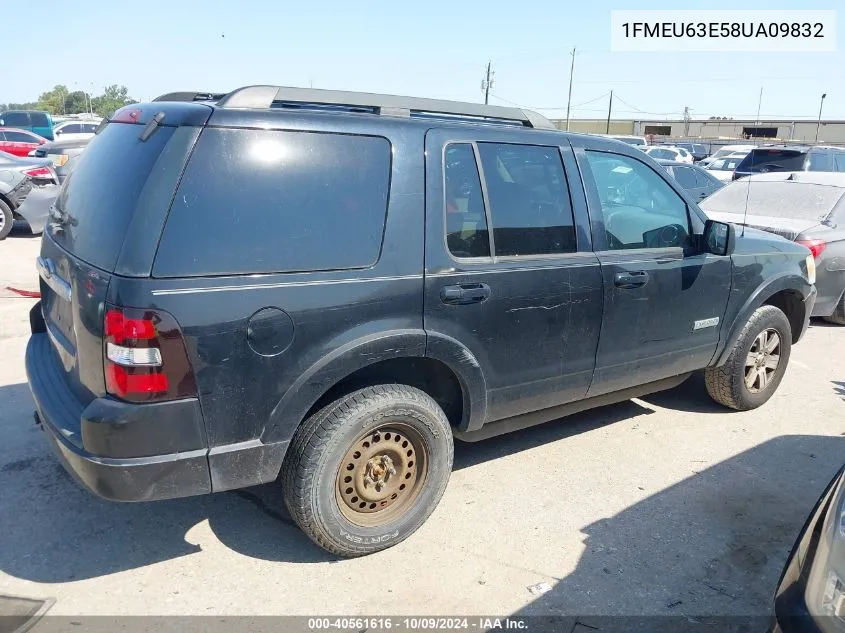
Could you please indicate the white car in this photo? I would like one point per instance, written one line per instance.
(723, 167)
(667, 152)
(726, 150)
(75, 130)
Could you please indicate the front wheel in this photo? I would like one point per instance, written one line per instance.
(366, 471)
(756, 364)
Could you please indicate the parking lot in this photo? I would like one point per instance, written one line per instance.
(665, 505)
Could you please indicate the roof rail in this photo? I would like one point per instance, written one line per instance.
(261, 97)
(191, 96)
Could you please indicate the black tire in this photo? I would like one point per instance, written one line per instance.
(313, 482)
(7, 220)
(838, 316)
(727, 384)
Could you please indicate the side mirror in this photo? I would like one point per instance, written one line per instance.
(719, 237)
(57, 133)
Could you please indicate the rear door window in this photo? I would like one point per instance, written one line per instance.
(685, 177)
(99, 198)
(39, 119)
(19, 137)
(530, 208)
(839, 161)
(263, 201)
(466, 220)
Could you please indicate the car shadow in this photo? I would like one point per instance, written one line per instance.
(714, 543)
(839, 388)
(691, 395)
(55, 531)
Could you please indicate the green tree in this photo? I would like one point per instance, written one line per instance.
(76, 102)
(113, 98)
(53, 101)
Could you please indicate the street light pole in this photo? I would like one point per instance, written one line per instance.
(819, 121)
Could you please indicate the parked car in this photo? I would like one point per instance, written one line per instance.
(302, 285)
(727, 150)
(789, 158)
(75, 130)
(696, 181)
(14, 188)
(35, 121)
(636, 141)
(699, 151)
(723, 168)
(40, 170)
(811, 591)
(807, 208)
(19, 142)
(61, 154)
(665, 152)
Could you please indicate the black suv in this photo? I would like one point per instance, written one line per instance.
(325, 288)
(791, 158)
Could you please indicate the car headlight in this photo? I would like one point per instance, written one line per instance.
(825, 594)
(811, 269)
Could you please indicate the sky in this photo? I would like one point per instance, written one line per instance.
(435, 48)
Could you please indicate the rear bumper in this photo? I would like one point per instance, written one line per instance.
(138, 452)
(112, 427)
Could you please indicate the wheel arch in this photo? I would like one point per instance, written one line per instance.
(787, 292)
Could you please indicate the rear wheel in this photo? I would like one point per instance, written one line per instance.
(366, 471)
(838, 316)
(7, 220)
(756, 364)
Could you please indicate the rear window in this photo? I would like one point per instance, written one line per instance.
(766, 160)
(15, 119)
(804, 201)
(261, 201)
(99, 198)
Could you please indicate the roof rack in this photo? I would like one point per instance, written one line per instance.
(191, 96)
(262, 97)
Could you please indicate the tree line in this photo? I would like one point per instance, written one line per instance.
(60, 100)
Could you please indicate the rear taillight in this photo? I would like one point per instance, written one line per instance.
(144, 356)
(38, 172)
(126, 115)
(816, 246)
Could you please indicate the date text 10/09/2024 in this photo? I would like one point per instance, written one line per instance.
(417, 624)
(723, 29)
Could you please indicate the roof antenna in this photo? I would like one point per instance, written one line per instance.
(748, 183)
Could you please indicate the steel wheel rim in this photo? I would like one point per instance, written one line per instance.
(381, 474)
(762, 360)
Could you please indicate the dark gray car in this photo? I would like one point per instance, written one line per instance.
(805, 207)
(695, 180)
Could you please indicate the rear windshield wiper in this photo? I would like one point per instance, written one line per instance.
(151, 127)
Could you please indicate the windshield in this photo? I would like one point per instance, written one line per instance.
(778, 199)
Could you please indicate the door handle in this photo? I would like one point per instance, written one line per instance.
(628, 280)
(462, 294)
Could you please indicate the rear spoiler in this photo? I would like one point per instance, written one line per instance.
(191, 96)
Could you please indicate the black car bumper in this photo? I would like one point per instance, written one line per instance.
(809, 304)
(93, 442)
(791, 613)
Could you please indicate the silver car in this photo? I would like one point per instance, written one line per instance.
(805, 207)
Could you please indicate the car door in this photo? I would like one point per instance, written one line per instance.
(509, 271)
(19, 143)
(664, 299)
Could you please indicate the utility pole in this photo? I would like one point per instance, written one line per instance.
(759, 103)
(686, 121)
(569, 99)
(609, 106)
(819, 121)
(487, 84)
